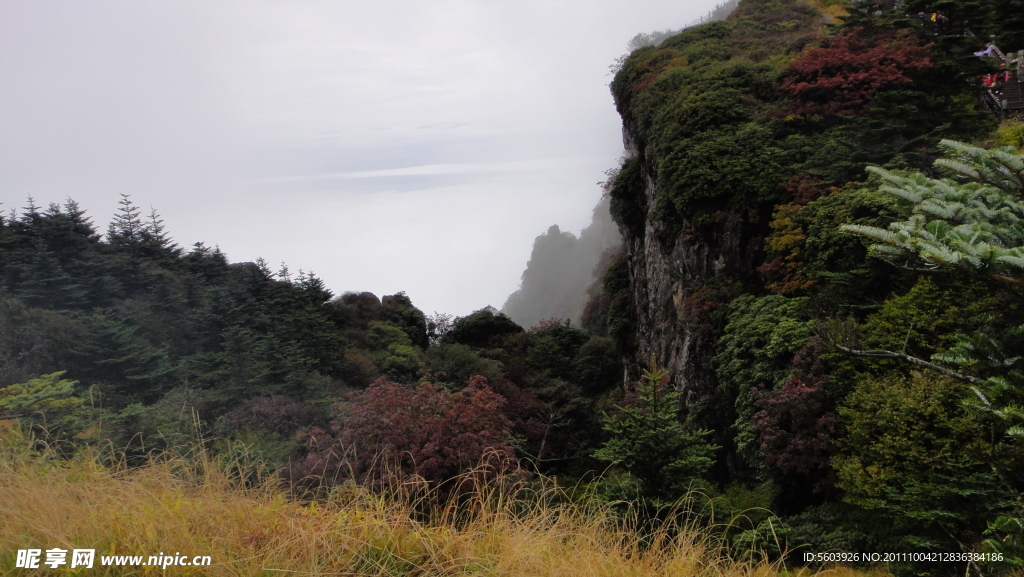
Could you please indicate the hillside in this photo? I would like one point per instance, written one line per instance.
(561, 269)
(748, 143)
(807, 342)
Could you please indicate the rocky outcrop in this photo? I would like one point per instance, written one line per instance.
(709, 153)
(680, 279)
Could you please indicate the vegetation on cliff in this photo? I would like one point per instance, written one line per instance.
(870, 388)
(810, 333)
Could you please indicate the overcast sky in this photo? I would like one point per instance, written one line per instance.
(384, 145)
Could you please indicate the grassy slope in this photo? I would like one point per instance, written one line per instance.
(193, 507)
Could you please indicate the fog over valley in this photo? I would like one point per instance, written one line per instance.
(420, 147)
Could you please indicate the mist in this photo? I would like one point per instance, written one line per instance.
(561, 269)
(400, 147)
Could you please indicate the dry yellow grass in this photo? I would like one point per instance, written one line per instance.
(193, 507)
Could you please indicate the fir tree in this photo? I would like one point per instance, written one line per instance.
(126, 228)
(647, 439)
(31, 211)
(976, 226)
(972, 226)
(155, 235)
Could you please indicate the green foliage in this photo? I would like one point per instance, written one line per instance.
(262, 431)
(382, 334)
(921, 322)
(705, 134)
(613, 309)
(913, 453)
(839, 526)
(553, 349)
(767, 540)
(172, 341)
(127, 228)
(967, 228)
(1011, 133)
(753, 356)
(34, 341)
(975, 225)
(49, 404)
(972, 228)
(809, 254)
(715, 128)
(628, 200)
(120, 354)
(700, 115)
(597, 366)
(452, 365)
(398, 309)
(174, 422)
(396, 355)
(484, 328)
(647, 440)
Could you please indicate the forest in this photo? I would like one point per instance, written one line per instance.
(808, 341)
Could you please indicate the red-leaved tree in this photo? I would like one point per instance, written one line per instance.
(796, 425)
(845, 74)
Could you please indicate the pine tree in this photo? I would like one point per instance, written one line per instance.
(647, 439)
(126, 228)
(971, 226)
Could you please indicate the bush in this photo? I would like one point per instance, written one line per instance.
(912, 452)
(391, 432)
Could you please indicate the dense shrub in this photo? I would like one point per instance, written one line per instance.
(912, 453)
(844, 75)
(394, 432)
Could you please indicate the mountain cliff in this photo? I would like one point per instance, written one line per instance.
(725, 122)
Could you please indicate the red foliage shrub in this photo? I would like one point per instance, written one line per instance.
(524, 412)
(846, 73)
(796, 425)
(391, 432)
(704, 309)
(803, 188)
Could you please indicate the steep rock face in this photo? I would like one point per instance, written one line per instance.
(705, 163)
(675, 277)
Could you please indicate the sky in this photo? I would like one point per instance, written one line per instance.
(386, 146)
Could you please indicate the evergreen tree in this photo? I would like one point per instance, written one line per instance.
(647, 439)
(127, 229)
(155, 241)
(972, 226)
(31, 211)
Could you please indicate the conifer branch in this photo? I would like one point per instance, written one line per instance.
(881, 354)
